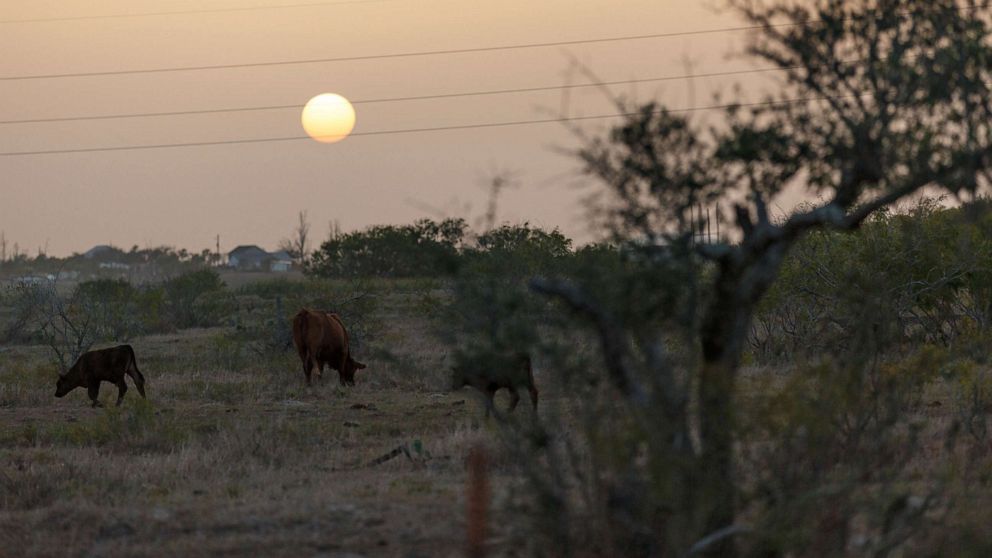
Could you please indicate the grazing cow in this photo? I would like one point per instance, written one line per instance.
(104, 365)
(320, 338)
(509, 372)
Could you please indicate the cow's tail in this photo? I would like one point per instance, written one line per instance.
(132, 370)
(531, 386)
(300, 331)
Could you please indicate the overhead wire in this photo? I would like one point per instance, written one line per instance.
(416, 130)
(393, 99)
(393, 55)
(408, 54)
(411, 54)
(398, 99)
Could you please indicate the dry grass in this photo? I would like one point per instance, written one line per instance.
(232, 454)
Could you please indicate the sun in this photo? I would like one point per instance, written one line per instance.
(328, 118)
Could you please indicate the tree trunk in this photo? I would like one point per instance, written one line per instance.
(724, 330)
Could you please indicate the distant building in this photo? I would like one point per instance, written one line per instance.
(248, 257)
(97, 251)
(114, 265)
(281, 261)
(34, 279)
(252, 258)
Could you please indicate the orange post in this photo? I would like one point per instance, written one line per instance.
(477, 502)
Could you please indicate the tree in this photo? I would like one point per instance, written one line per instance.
(880, 98)
(298, 246)
(425, 248)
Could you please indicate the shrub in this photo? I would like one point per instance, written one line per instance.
(426, 248)
(195, 299)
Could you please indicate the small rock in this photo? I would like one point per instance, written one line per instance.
(114, 530)
(161, 514)
(341, 509)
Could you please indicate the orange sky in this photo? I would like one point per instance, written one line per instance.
(249, 194)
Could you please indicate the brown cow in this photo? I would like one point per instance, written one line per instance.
(104, 365)
(320, 338)
(498, 372)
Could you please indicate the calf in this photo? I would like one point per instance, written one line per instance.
(104, 365)
(498, 373)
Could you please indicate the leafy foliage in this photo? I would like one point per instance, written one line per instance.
(424, 248)
(921, 276)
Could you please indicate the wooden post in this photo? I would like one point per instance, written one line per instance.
(477, 502)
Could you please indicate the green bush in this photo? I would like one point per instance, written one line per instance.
(194, 299)
(426, 248)
(921, 276)
(114, 305)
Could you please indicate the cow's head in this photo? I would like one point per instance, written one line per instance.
(348, 374)
(67, 382)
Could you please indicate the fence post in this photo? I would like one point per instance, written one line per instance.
(477, 502)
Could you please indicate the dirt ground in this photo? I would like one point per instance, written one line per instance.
(228, 457)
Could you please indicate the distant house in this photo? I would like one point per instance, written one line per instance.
(114, 265)
(34, 279)
(252, 258)
(248, 257)
(281, 261)
(97, 251)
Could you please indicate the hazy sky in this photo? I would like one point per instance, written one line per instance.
(250, 194)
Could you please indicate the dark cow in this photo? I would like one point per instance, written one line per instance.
(104, 365)
(495, 373)
(320, 338)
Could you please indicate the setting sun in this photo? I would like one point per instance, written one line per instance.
(328, 118)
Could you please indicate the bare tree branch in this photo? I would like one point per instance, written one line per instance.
(610, 334)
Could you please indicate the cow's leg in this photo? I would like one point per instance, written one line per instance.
(121, 390)
(320, 371)
(514, 398)
(490, 394)
(533, 395)
(307, 367)
(94, 391)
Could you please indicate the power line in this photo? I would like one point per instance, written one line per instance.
(415, 130)
(411, 54)
(396, 99)
(184, 12)
(420, 53)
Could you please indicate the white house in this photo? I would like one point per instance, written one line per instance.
(252, 258)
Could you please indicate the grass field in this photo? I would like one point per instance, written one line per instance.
(232, 454)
